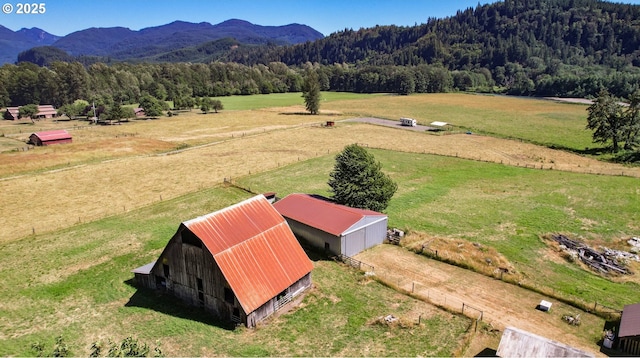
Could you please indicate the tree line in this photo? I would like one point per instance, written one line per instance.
(123, 83)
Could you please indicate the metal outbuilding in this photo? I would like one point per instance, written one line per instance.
(629, 333)
(338, 229)
(519, 343)
(50, 137)
(242, 263)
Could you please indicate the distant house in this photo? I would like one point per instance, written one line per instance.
(44, 111)
(519, 343)
(139, 112)
(629, 333)
(337, 229)
(241, 263)
(50, 137)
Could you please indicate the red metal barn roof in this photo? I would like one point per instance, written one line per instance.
(46, 110)
(13, 111)
(630, 321)
(255, 249)
(321, 214)
(53, 135)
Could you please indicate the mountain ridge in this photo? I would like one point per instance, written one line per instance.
(121, 43)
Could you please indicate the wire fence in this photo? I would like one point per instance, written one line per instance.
(407, 282)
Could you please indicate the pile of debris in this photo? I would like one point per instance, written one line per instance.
(605, 262)
(572, 320)
(394, 235)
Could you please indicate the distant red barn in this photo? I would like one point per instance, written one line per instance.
(50, 137)
(11, 113)
(44, 111)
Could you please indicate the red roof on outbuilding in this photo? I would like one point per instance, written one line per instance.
(255, 249)
(630, 321)
(321, 214)
(53, 135)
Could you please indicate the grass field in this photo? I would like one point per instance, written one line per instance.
(83, 215)
(539, 121)
(77, 285)
(502, 207)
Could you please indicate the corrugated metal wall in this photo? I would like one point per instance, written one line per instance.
(368, 233)
(316, 237)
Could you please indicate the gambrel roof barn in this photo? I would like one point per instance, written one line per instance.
(242, 263)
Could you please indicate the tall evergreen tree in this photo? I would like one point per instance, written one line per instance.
(311, 91)
(358, 181)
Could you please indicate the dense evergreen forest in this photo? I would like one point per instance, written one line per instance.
(523, 47)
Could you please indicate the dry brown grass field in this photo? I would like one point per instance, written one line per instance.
(111, 169)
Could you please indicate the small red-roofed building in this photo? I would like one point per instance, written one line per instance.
(50, 137)
(337, 229)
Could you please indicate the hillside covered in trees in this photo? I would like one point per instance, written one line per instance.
(535, 47)
(529, 47)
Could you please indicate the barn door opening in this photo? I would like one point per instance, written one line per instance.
(235, 315)
(282, 299)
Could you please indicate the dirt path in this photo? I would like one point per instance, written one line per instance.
(501, 304)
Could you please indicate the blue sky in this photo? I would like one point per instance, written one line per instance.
(62, 17)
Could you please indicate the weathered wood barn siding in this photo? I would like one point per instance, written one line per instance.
(241, 263)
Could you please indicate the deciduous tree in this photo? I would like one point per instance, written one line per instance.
(606, 119)
(28, 111)
(151, 105)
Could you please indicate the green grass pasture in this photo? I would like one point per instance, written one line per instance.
(539, 121)
(259, 101)
(77, 283)
(504, 207)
